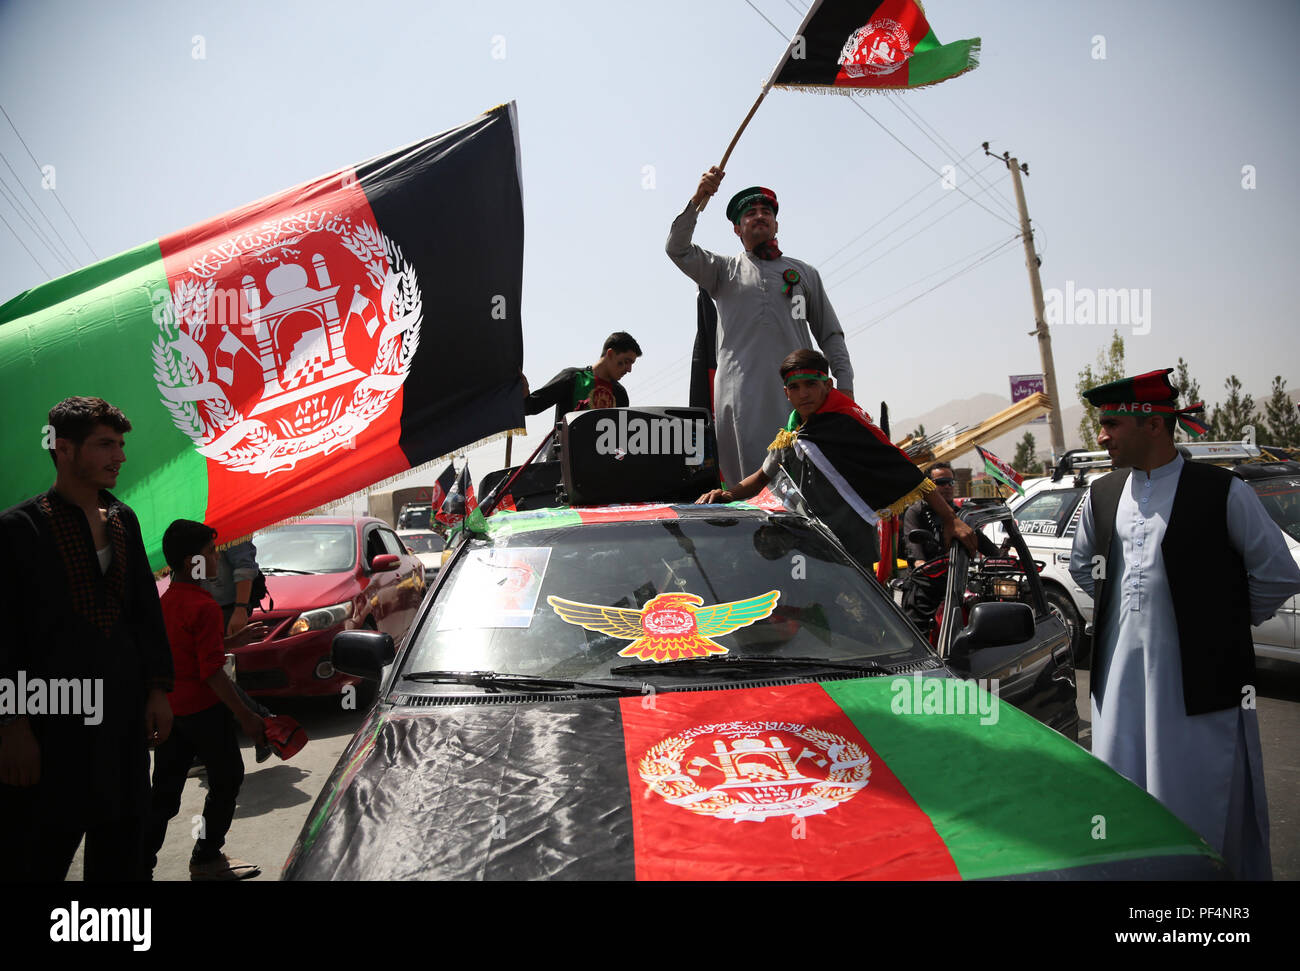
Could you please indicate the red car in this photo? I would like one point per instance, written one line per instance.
(325, 574)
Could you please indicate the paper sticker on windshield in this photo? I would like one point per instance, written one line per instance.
(497, 588)
(671, 625)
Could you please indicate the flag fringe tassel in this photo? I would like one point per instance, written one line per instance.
(899, 506)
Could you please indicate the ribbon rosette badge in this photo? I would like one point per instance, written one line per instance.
(791, 277)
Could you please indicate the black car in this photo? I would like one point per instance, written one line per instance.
(663, 690)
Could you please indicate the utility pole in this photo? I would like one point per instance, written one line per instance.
(1040, 323)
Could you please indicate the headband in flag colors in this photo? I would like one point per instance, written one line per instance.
(806, 375)
(851, 46)
(290, 352)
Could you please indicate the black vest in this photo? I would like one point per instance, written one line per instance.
(1207, 583)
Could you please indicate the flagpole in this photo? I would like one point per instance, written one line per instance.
(767, 86)
(509, 441)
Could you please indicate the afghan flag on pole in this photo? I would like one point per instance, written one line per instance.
(293, 351)
(442, 488)
(851, 45)
(999, 470)
(460, 501)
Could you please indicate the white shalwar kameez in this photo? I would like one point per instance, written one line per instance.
(757, 328)
(1207, 769)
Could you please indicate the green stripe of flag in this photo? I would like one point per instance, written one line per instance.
(941, 63)
(92, 333)
(1009, 797)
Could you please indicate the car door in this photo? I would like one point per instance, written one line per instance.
(1036, 675)
(381, 589)
(408, 588)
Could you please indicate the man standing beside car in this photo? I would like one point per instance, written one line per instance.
(76, 586)
(1173, 701)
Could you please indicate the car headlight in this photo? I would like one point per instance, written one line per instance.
(1006, 588)
(321, 618)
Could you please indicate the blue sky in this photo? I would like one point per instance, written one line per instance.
(1136, 162)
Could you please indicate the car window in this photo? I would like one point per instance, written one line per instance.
(374, 544)
(494, 611)
(391, 543)
(416, 517)
(1048, 513)
(1281, 500)
(423, 542)
(306, 547)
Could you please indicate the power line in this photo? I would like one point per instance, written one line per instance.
(52, 192)
(898, 228)
(37, 207)
(21, 210)
(24, 246)
(961, 272)
(912, 237)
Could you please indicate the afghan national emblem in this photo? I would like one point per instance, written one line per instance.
(671, 625)
(880, 47)
(756, 770)
(287, 341)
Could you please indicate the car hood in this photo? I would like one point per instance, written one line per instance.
(293, 592)
(848, 779)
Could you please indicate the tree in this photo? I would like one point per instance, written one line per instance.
(1190, 394)
(1231, 418)
(1110, 367)
(1024, 458)
(1281, 416)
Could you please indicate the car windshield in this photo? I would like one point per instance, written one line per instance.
(564, 602)
(1047, 513)
(422, 542)
(414, 517)
(307, 548)
(1281, 499)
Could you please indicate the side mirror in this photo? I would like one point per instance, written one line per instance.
(362, 653)
(995, 625)
(385, 563)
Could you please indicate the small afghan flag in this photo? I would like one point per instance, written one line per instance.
(293, 351)
(460, 501)
(442, 488)
(999, 470)
(851, 45)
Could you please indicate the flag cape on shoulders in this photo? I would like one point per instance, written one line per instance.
(849, 45)
(859, 454)
(293, 351)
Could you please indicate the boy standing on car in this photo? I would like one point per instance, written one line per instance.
(206, 706)
(1174, 665)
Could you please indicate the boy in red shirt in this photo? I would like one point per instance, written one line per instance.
(206, 710)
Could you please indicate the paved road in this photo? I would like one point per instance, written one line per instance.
(277, 796)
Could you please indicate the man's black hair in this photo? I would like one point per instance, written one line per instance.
(803, 358)
(620, 342)
(939, 465)
(183, 541)
(75, 418)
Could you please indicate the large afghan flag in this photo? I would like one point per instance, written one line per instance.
(296, 350)
(852, 45)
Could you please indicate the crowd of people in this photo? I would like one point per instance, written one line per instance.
(1172, 666)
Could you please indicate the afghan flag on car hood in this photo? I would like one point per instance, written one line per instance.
(850, 45)
(293, 351)
(905, 778)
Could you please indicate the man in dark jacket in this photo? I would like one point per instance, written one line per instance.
(86, 661)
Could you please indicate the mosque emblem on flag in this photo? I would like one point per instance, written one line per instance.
(880, 47)
(754, 771)
(671, 626)
(287, 341)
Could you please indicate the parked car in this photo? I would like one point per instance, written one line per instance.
(1048, 516)
(325, 575)
(670, 691)
(427, 546)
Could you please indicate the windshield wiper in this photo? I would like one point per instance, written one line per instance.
(285, 569)
(739, 661)
(518, 682)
